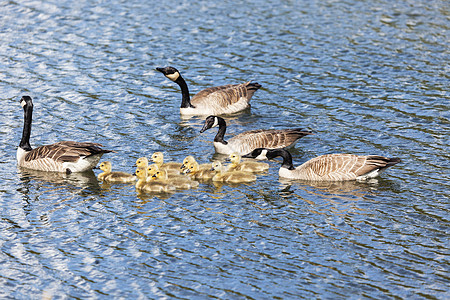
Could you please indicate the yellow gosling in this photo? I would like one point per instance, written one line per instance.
(194, 171)
(114, 177)
(189, 160)
(231, 176)
(150, 187)
(142, 162)
(179, 182)
(171, 167)
(247, 166)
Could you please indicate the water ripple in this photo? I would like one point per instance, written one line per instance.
(367, 79)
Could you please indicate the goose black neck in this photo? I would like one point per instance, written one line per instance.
(186, 99)
(27, 118)
(221, 133)
(287, 158)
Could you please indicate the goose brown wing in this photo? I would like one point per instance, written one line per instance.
(270, 139)
(344, 166)
(226, 94)
(67, 151)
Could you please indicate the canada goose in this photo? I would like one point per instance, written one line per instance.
(189, 160)
(152, 186)
(329, 167)
(248, 166)
(226, 99)
(247, 141)
(67, 156)
(231, 176)
(179, 182)
(194, 171)
(171, 167)
(109, 176)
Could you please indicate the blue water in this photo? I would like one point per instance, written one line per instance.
(368, 77)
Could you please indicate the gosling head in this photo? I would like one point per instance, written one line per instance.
(235, 158)
(158, 157)
(216, 166)
(170, 72)
(152, 169)
(106, 166)
(142, 162)
(141, 173)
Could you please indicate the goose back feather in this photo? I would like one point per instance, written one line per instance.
(328, 167)
(247, 141)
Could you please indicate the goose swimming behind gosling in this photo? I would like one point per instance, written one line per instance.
(329, 167)
(247, 141)
(219, 100)
(67, 156)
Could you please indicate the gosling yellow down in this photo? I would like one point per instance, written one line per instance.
(231, 176)
(247, 166)
(152, 186)
(114, 177)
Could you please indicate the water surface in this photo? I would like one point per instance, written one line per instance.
(368, 77)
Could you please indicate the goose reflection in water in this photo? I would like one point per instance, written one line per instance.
(347, 190)
(80, 180)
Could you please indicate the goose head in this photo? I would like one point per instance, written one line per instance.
(259, 153)
(26, 101)
(170, 72)
(210, 122)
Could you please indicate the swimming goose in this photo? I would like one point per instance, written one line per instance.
(226, 99)
(109, 176)
(171, 167)
(247, 141)
(67, 156)
(179, 182)
(152, 186)
(194, 171)
(329, 167)
(231, 176)
(248, 166)
(190, 160)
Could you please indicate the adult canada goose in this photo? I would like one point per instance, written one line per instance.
(150, 186)
(190, 160)
(67, 156)
(248, 166)
(171, 167)
(231, 176)
(179, 182)
(247, 141)
(329, 167)
(226, 99)
(109, 176)
(194, 171)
